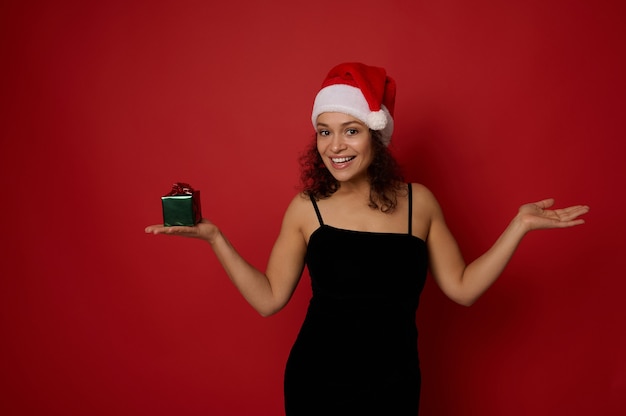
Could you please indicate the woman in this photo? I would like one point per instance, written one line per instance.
(367, 239)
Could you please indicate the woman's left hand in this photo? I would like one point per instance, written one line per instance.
(537, 216)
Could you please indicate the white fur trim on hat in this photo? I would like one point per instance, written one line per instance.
(342, 98)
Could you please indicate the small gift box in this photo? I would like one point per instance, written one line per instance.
(181, 206)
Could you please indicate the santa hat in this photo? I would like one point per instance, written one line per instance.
(362, 91)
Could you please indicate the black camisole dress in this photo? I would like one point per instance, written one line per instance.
(356, 352)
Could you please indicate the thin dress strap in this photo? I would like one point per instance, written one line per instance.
(410, 186)
(317, 210)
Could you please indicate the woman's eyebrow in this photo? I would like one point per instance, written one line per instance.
(347, 123)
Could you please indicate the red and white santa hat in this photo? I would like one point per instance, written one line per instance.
(362, 91)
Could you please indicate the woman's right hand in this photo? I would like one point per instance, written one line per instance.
(267, 292)
(204, 230)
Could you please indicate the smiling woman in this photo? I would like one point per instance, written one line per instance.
(345, 145)
(385, 177)
(367, 238)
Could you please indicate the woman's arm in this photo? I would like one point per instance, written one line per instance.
(267, 292)
(466, 283)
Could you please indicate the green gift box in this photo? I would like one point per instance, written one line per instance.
(181, 206)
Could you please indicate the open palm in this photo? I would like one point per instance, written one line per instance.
(537, 215)
(204, 230)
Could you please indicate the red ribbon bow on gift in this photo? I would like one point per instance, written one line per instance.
(181, 188)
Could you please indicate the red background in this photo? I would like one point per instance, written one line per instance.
(105, 104)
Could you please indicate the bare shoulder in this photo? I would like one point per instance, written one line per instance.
(299, 206)
(424, 198)
(425, 210)
(300, 215)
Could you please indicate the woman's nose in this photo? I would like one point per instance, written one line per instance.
(337, 145)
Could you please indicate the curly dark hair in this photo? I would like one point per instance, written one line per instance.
(385, 175)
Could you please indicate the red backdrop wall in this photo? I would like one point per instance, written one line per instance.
(105, 104)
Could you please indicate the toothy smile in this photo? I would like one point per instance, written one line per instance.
(341, 159)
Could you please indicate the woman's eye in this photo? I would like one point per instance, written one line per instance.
(323, 133)
(352, 132)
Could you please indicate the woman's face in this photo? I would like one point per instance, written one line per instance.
(345, 144)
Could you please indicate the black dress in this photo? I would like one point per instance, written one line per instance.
(356, 353)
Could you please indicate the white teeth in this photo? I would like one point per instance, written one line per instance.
(341, 159)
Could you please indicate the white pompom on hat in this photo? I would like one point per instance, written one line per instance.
(362, 91)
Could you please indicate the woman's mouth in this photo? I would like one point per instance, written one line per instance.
(341, 160)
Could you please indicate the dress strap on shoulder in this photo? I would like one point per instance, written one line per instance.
(317, 210)
(410, 187)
